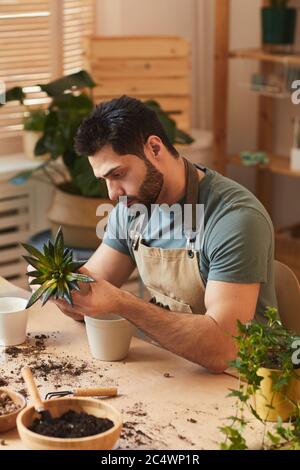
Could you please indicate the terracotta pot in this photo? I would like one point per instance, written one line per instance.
(77, 217)
(279, 401)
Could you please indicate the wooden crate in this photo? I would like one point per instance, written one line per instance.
(288, 247)
(145, 67)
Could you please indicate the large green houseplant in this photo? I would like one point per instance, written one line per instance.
(70, 103)
(269, 385)
(278, 23)
(77, 191)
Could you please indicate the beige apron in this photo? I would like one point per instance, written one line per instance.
(172, 276)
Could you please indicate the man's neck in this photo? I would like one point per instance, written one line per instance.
(174, 188)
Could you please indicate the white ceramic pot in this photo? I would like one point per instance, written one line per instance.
(13, 320)
(295, 159)
(109, 337)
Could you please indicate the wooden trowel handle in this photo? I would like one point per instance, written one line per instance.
(32, 389)
(96, 392)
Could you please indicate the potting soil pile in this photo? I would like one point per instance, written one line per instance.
(71, 425)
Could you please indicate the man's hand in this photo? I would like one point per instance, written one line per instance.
(97, 298)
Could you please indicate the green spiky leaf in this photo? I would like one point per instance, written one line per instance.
(81, 278)
(38, 294)
(55, 271)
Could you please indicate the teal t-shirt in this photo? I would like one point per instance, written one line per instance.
(237, 244)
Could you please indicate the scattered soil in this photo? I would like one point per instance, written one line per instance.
(7, 405)
(31, 347)
(192, 420)
(3, 382)
(137, 410)
(72, 425)
(168, 375)
(43, 367)
(23, 392)
(131, 433)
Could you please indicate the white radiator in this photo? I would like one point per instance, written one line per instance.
(16, 216)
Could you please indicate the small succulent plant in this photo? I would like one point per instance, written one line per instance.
(55, 271)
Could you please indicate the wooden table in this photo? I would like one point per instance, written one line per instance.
(166, 402)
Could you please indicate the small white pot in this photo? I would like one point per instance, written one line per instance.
(109, 337)
(13, 321)
(295, 159)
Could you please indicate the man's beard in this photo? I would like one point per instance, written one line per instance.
(151, 186)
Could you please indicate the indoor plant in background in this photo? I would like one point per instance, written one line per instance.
(269, 385)
(77, 192)
(278, 23)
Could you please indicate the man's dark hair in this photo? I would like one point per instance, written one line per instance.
(125, 123)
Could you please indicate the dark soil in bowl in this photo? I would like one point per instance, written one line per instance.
(71, 425)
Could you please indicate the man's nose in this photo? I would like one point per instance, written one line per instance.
(114, 190)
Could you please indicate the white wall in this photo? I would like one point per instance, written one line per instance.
(170, 17)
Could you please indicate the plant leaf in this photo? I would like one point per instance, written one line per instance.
(81, 277)
(33, 251)
(14, 94)
(79, 79)
(48, 293)
(37, 294)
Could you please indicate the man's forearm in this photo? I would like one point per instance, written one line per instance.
(197, 338)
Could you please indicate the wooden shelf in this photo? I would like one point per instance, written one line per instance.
(263, 56)
(277, 165)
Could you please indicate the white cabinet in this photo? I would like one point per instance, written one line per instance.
(23, 211)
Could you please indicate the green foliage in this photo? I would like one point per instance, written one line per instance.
(69, 105)
(55, 271)
(268, 345)
(35, 120)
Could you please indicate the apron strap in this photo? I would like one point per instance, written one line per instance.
(192, 190)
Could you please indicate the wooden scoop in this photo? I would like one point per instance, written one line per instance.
(34, 395)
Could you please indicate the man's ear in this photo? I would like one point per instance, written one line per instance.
(155, 149)
(155, 145)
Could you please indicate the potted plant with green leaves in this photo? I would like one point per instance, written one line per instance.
(77, 191)
(269, 385)
(278, 23)
(55, 275)
(34, 124)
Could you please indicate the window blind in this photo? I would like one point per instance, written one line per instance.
(78, 21)
(36, 48)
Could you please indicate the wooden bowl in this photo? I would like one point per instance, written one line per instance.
(102, 441)
(8, 421)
